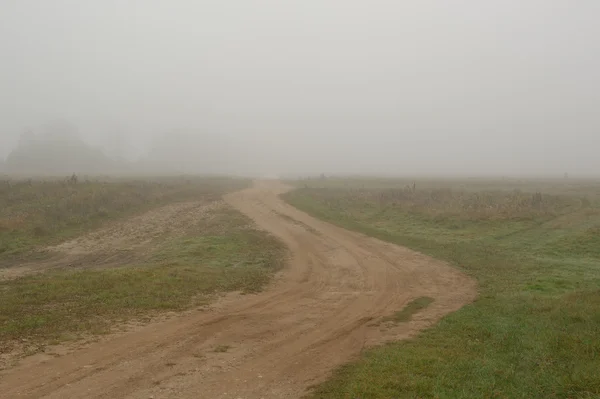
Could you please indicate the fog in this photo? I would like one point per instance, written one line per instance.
(304, 87)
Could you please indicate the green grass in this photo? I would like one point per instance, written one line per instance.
(413, 307)
(534, 331)
(221, 253)
(42, 212)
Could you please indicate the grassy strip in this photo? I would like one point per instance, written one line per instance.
(413, 307)
(35, 213)
(535, 329)
(222, 253)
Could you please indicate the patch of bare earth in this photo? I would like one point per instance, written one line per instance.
(320, 314)
(121, 242)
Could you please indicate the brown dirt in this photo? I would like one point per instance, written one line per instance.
(321, 312)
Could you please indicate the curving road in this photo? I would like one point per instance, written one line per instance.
(320, 313)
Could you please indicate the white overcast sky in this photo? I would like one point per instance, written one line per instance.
(475, 87)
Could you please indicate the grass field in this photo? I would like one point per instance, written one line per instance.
(218, 252)
(533, 246)
(42, 212)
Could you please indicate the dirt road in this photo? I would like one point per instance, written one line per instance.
(321, 312)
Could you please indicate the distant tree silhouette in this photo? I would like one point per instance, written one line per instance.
(56, 151)
(26, 138)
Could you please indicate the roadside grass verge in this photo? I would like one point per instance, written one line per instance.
(34, 213)
(220, 253)
(534, 331)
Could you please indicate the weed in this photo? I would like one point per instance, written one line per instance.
(409, 310)
(222, 348)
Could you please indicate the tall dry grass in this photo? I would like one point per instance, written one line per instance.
(35, 212)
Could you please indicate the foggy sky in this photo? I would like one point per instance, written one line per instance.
(401, 87)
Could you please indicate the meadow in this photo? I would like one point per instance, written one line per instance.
(534, 248)
(35, 212)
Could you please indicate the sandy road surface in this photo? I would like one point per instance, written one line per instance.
(319, 313)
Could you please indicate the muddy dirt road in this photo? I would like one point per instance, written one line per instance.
(321, 312)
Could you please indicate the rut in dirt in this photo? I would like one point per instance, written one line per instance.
(321, 312)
